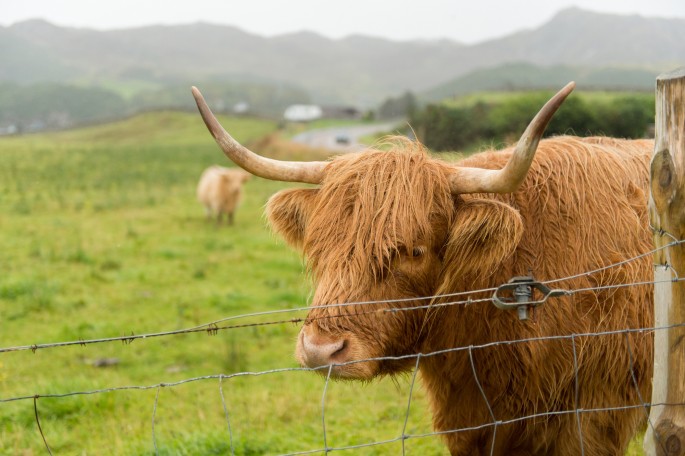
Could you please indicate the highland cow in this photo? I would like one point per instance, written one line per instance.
(220, 191)
(391, 228)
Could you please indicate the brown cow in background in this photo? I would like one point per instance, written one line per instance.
(220, 191)
(392, 227)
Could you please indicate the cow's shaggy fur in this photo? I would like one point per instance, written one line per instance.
(384, 225)
(220, 191)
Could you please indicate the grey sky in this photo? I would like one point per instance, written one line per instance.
(465, 21)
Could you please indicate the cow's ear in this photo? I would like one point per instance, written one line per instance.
(288, 213)
(484, 233)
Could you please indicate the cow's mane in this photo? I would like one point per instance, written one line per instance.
(573, 186)
(576, 188)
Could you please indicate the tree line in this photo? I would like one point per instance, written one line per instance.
(451, 127)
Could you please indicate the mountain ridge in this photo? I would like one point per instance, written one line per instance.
(355, 69)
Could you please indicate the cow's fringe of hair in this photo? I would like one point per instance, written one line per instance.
(365, 187)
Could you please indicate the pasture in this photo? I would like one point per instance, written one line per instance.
(101, 236)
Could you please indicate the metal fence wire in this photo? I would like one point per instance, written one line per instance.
(231, 323)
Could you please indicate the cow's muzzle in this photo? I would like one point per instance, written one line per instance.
(344, 355)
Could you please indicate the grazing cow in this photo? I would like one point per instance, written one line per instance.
(220, 191)
(389, 228)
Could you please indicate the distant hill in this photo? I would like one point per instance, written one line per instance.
(55, 77)
(357, 69)
(527, 76)
(582, 38)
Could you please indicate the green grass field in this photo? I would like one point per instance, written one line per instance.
(101, 236)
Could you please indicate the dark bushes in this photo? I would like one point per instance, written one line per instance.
(443, 127)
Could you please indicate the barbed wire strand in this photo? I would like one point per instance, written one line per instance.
(209, 326)
(228, 420)
(380, 358)
(212, 326)
(130, 338)
(40, 428)
(213, 329)
(667, 267)
(346, 304)
(619, 263)
(624, 285)
(661, 232)
(471, 292)
(411, 393)
(576, 399)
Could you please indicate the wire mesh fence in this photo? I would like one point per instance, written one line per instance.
(405, 435)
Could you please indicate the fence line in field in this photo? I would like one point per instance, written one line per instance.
(404, 436)
(213, 328)
(347, 363)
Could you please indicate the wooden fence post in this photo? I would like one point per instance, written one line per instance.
(667, 216)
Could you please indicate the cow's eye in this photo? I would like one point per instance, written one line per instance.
(417, 252)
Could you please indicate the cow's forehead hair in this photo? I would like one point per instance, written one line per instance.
(369, 203)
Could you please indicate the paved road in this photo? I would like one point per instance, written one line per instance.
(342, 139)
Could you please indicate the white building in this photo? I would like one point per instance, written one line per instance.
(302, 113)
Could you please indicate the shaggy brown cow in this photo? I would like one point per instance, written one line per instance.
(220, 191)
(399, 225)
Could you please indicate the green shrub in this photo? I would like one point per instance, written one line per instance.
(444, 127)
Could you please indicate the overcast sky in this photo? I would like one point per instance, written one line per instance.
(466, 21)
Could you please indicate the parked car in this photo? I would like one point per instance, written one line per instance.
(342, 138)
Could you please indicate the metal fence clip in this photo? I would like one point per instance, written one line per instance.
(518, 294)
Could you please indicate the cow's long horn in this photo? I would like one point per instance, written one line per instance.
(508, 179)
(287, 171)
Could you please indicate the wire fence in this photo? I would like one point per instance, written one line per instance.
(455, 299)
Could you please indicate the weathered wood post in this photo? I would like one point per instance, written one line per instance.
(667, 216)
